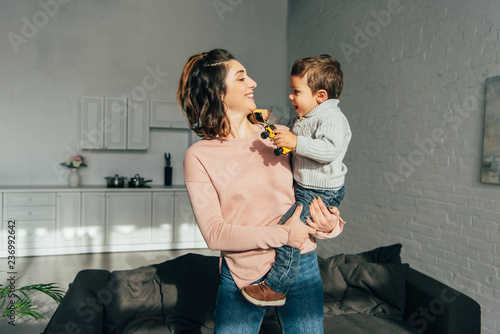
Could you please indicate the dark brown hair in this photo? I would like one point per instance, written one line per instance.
(200, 90)
(323, 72)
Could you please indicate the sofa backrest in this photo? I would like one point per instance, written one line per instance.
(178, 294)
(189, 286)
(433, 307)
(134, 301)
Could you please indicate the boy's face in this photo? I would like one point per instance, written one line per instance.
(303, 99)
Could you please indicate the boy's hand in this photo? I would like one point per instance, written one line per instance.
(284, 138)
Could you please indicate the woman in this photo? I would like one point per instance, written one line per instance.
(239, 191)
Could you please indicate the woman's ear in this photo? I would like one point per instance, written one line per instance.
(321, 96)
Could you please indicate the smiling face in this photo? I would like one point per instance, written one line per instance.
(239, 89)
(302, 97)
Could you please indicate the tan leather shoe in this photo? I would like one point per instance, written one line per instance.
(261, 294)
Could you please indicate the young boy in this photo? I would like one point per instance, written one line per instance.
(319, 139)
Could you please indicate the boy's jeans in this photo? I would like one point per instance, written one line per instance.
(286, 264)
(302, 313)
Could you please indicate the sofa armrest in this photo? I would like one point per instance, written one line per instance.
(82, 310)
(435, 308)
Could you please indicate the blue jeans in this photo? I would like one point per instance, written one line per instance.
(302, 313)
(286, 264)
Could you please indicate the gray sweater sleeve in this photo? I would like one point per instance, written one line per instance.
(328, 142)
(323, 137)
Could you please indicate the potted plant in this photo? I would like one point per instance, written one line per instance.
(17, 303)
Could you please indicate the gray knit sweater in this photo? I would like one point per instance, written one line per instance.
(323, 136)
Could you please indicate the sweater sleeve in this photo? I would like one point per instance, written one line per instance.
(327, 142)
(218, 233)
(335, 232)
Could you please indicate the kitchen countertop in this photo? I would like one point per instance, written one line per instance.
(86, 188)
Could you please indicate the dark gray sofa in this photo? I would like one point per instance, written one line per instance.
(370, 292)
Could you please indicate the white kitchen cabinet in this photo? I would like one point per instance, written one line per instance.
(59, 220)
(115, 120)
(185, 228)
(34, 215)
(68, 222)
(93, 219)
(30, 199)
(128, 218)
(92, 122)
(166, 114)
(29, 206)
(3, 239)
(163, 217)
(32, 234)
(114, 123)
(138, 125)
(30, 213)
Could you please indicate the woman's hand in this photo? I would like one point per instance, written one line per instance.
(299, 232)
(323, 219)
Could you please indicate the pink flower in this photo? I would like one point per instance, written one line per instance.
(75, 162)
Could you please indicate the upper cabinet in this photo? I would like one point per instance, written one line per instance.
(138, 125)
(92, 121)
(114, 123)
(166, 114)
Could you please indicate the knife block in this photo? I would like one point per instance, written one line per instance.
(168, 176)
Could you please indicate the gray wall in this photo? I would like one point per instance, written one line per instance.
(414, 96)
(53, 52)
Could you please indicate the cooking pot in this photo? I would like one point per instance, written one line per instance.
(137, 181)
(115, 181)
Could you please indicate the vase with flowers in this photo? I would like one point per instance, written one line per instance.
(74, 163)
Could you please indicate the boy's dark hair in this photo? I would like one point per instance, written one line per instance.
(323, 72)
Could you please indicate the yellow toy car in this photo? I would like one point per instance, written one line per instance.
(269, 132)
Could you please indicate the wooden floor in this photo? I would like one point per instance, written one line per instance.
(62, 269)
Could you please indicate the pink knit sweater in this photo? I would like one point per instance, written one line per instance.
(239, 191)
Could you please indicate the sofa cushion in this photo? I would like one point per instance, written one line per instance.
(189, 286)
(132, 301)
(376, 289)
(384, 254)
(140, 326)
(364, 323)
(334, 285)
(366, 284)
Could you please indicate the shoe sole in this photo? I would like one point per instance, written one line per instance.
(254, 301)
